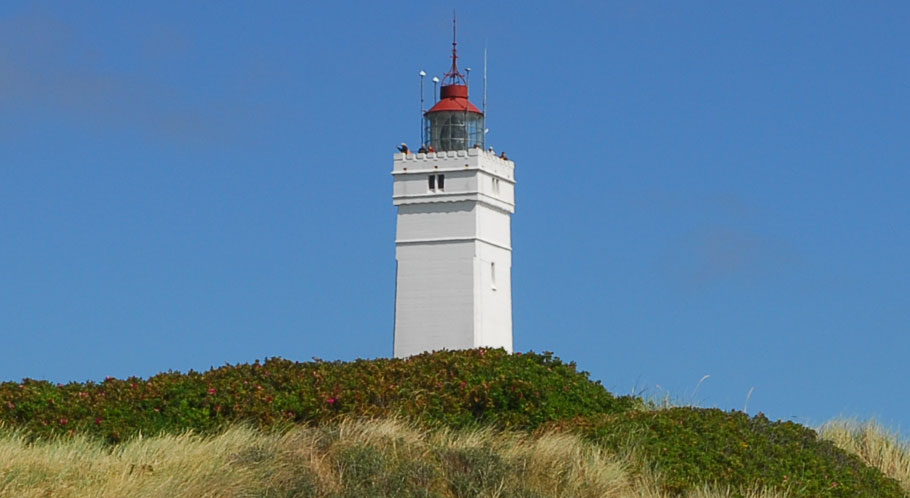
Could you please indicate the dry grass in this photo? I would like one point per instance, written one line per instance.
(354, 458)
(874, 444)
(160, 466)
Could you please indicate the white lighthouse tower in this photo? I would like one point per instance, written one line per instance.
(453, 241)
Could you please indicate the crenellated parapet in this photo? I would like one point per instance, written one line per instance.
(454, 176)
(454, 160)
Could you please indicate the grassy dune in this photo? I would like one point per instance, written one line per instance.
(875, 445)
(447, 424)
(352, 459)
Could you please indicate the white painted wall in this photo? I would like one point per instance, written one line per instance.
(437, 220)
(434, 302)
(493, 307)
(448, 243)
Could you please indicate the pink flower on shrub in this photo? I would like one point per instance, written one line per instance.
(331, 401)
(98, 421)
(63, 421)
(211, 390)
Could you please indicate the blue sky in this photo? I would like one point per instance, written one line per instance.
(705, 188)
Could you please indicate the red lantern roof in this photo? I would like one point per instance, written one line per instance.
(454, 98)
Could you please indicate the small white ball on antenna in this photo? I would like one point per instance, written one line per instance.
(435, 79)
(422, 73)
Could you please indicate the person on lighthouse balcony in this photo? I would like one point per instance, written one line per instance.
(403, 148)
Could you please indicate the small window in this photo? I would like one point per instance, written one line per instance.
(431, 182)
(441, 181)
(495, 185)
(493, 275)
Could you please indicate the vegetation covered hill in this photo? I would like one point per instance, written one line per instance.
(447, 424)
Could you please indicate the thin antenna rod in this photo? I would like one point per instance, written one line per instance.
(454, 37)
(454, 44)
(453, 77)
(422, 118)
(483, 124)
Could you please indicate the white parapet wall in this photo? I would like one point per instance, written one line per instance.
(454, 251)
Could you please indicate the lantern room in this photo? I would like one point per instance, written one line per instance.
(453, 123)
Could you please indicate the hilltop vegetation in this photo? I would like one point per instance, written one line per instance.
(448, 424)
(454, 389)
(384, 458)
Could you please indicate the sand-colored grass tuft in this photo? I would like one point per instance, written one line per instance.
(143, 467)
(476, 462)
(377, 458)
(874, 444)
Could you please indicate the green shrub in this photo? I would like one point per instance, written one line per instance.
(691, 447)
(453, 388)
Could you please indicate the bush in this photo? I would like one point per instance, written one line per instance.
(691, 447)
(453, 388)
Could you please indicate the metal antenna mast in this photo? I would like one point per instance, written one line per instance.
(423, 127)
(483, 123)
(454, 77)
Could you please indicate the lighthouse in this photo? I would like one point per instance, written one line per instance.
(453, 243)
